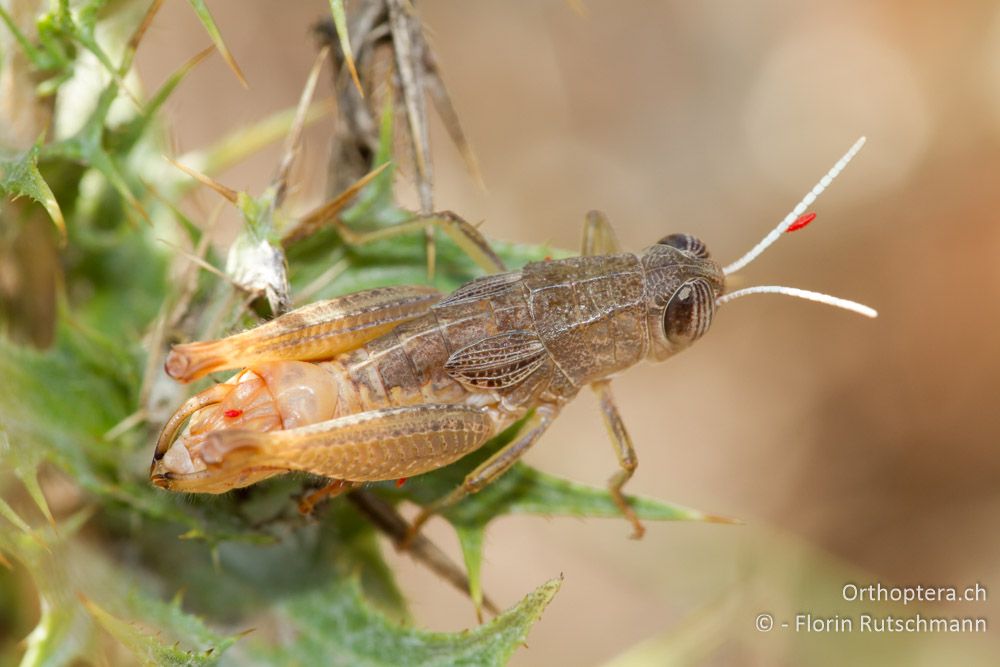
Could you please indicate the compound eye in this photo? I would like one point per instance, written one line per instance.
(689, 244)
(689, 312)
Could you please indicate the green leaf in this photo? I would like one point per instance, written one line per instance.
(64, 28)
(76, 583)
(148, 648)
(333, 627)
(244, 141)
(124, 139)
(36, 57)
(19, 177)
(522, 490)
(29, 478)
(205, 16)
(470, 538)
(340, 23)
(87, 147)
(525, 490)
(8, 512)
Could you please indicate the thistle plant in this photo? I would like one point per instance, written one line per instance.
(100, 271)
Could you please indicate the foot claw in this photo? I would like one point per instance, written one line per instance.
(638, 530)
(306, 506)
(407, 542)
(309, 501)
(413, 531)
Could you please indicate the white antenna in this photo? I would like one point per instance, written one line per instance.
(799, 209)
(819, 297)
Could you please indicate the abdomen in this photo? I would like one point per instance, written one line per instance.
(407, 365)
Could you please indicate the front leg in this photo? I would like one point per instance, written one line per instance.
(623, 450)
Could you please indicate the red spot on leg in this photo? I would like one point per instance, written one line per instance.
(401, 481)
(232, 414)
(801, 222)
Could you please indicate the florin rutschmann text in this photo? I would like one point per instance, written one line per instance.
(880, 622)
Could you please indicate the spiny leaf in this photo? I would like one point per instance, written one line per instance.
(37, 57)
(324, 214)
(245, 141)
(149, 648)
(340, 23)
(77, 26)
(75, 583)
(30, 480)
(140, 31)
(56, 639)
(205, 16)
(19, 177)
(126, 138)
(87, 147)
(524, 490)
(333, 628)
(224, 191)
(470, 538)
(446, 110)
(293, 141)
(7, 512)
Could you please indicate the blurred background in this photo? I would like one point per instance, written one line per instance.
(854, 450)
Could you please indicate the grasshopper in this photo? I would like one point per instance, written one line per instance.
(394, 382)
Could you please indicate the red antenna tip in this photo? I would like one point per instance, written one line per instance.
(801, 222)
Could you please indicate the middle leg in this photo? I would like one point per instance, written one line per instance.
(599, 239)
(489, 470)
(625, 452)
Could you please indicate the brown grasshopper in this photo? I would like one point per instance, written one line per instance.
(398, 381)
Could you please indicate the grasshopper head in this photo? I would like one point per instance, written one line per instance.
(682, 284)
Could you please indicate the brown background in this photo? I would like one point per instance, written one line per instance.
(855, 450)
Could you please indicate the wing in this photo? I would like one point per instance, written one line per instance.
(480, 289)
(498, 362)
(317, 331)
